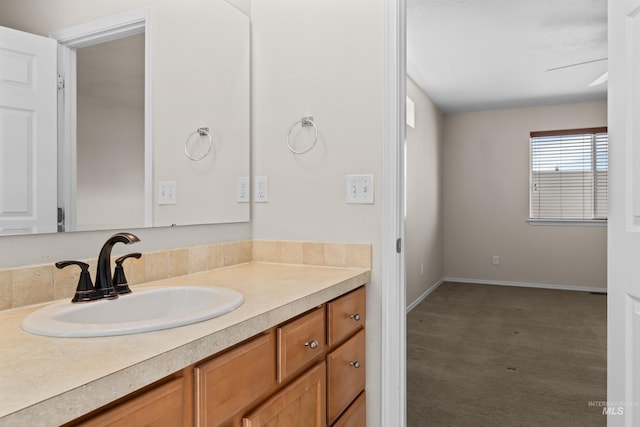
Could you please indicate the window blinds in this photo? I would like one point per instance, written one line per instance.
(569, 175)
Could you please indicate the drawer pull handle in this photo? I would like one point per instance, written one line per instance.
(313, 344)
(355, 317)
(355, 364)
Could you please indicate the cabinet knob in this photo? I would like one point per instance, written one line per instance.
(355, 364)
(311, 344)
(355, 317)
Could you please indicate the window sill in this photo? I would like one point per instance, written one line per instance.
(569, 222)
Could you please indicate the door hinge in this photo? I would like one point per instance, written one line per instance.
(399, 245)
(60, 82)
(60, 219)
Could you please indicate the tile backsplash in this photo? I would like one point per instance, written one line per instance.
(41, 283)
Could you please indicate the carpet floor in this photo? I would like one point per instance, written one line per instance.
(483, 355)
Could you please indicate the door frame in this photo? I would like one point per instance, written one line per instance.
(70, 39)
(393, 327)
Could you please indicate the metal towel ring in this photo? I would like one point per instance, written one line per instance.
(201, 132)
(303, 122)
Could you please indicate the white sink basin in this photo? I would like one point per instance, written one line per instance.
(144, 310)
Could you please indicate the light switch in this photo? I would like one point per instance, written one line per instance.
(360, 189)
(167, 193)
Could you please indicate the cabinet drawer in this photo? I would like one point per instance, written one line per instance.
(300, 341)
(300, 403)
(346, 315)
(346, 374)
(161, 406)
(228, 383)
(356, 415)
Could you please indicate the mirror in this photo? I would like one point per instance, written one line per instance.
(198, 59)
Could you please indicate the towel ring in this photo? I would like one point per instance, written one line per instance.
(201, 132)
(303, 122)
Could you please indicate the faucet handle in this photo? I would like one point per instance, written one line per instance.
(85, 290)
(119, 279)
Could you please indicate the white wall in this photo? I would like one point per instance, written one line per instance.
(486, 201)
(201, 78)
(321, 58)
(424, 226)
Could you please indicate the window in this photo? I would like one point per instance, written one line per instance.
(569, 175)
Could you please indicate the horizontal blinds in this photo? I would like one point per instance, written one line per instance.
(569, 175)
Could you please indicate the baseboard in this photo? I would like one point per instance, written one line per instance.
(526, 285)
(425, 294)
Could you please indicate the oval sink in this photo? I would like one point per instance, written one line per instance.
(144, 310)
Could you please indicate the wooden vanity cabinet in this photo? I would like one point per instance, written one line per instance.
(346, 362)
(308, 371)
(346, 315)
(356, 415)
(301, 403)
(300, 341)
(346, 375)
(167, 403)
(226, 385)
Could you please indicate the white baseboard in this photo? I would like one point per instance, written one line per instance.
(525, 285)
(425, 294)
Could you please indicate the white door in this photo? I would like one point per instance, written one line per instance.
(28, 133)
(623, 370)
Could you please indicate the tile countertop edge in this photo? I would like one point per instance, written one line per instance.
(73, 403)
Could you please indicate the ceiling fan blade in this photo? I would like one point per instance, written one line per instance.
(577, 63)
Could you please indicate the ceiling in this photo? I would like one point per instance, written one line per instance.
(472, 55)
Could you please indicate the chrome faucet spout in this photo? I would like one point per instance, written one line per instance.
(104, 282)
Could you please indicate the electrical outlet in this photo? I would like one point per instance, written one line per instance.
(261, 194)
(496, 260)
(243, 190)
(360, 189)
(167, 193)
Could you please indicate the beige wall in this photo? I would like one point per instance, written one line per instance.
(424, 226)
(486, 181)
(321, 58)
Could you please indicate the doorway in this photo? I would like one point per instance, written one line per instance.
(88, 79)
(110, 135)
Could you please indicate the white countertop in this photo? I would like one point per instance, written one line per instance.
(48, 381)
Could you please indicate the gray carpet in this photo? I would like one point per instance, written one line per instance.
(483, 355)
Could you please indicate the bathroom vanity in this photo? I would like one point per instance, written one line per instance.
(294, 349)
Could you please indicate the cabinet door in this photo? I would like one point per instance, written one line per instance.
(346, 378)
(356, 415)
(301, 403)
(161, 406)
(230, 382)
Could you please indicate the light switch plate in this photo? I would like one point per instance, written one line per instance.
(243, 190)
(167, 193)
(360, 189)
(261, 193)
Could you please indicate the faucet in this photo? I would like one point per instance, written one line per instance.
(104, 282)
